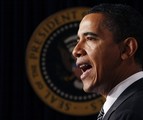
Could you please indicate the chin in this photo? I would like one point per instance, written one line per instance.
(89, 90)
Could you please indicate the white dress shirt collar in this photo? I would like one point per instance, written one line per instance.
(118, 89)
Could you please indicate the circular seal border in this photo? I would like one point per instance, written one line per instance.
(33, 52)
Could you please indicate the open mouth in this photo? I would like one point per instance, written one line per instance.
(85, 67)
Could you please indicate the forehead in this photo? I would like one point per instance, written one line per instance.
(93, 21)
(94, 16)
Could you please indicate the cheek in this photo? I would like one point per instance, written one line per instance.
(105, 60)
(97, 56)
(110, 64)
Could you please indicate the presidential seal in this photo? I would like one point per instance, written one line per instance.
(51, 68)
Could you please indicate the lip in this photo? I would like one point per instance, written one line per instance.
(79, 63)
(85, 74)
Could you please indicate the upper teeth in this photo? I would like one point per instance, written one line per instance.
(83, 65)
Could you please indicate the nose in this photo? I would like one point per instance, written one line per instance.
(78, 50)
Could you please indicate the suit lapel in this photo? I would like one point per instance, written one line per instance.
(132, 89)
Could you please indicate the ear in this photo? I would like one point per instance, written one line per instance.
(130, 46)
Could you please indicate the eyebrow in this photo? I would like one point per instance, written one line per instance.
(90, 33)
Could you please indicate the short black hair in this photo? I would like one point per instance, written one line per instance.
(123, 21)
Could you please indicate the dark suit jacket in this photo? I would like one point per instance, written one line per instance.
(129, 105)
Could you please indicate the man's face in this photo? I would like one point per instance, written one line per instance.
(97, 55)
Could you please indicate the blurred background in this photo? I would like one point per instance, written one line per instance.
(19, 19)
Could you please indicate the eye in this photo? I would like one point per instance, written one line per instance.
(90, 38)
